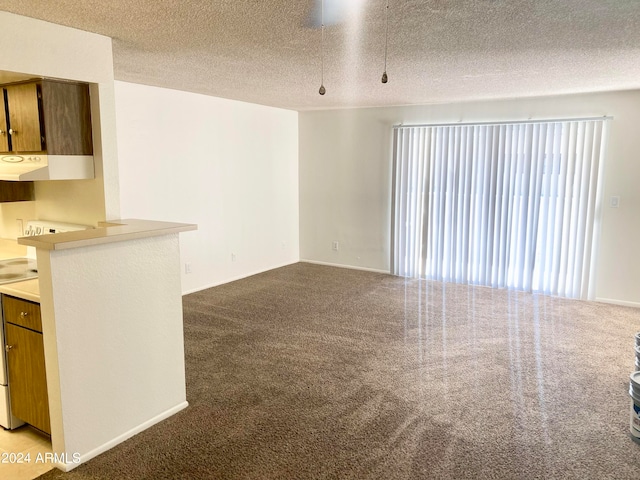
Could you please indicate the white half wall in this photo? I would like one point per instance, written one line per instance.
(230, 167)
(346, 175)
(113, 335)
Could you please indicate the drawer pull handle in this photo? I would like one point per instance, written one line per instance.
(24, 314)
(8, 347)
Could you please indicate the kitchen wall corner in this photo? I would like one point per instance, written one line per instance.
(55, 51)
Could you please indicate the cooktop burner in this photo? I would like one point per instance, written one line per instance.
(17, 269)
(17, 261)
(9, 276)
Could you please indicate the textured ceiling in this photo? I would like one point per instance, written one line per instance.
(268, 51)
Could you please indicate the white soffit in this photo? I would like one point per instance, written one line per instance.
(268, 51)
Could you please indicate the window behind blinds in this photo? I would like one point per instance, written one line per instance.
(504, 205)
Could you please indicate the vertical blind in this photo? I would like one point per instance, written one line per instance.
(505, 205)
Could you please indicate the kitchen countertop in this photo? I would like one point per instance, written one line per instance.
(26, 289)
(107, 232)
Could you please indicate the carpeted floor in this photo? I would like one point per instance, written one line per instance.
(310, 371)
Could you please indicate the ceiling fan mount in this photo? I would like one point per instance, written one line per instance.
(335, 12)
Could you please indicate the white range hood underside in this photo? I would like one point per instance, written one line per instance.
(46, 167)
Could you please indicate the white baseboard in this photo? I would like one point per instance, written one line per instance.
(240, 277)
(351, 267)
(68, 466)
(256, 272)
(614, 301)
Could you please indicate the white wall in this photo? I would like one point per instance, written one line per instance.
(229, 167)
(51, 50)
(346, 170)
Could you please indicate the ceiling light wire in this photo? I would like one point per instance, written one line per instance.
(385, 78)
(322, 90)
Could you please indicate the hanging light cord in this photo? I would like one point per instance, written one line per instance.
(385, 78)
(322, 90)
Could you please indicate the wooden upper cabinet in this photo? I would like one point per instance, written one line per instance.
(48, 116)
(4, 134)
(24, 118)
(66, 109)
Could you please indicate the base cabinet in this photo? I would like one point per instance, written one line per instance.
(25, 362)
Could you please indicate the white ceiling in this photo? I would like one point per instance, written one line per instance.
(268, 51)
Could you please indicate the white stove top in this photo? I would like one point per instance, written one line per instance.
(44, 227)
(17, 269)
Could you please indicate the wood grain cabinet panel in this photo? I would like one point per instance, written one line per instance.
(24, 117)
(4, 131)
(27, 377)
(16, 191)
(25, 362)
(66, 109)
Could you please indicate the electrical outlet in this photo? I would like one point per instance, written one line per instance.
(187, 267)
(614, 202)
(20, 227)
(335, 246)
(233, 257)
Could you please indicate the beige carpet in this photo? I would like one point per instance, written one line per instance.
(317, 372)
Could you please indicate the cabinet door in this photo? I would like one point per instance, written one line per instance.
(4, 134)
(24, 117)
(66, 112)
(27, 376)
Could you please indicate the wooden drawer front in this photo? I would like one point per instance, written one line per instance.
(23, 313)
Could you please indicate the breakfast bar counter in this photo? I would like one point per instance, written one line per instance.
(107, 232)
(111, 305)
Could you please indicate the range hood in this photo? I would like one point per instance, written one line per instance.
(40, 166)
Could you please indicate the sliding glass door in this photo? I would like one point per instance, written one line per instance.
(506, 205)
